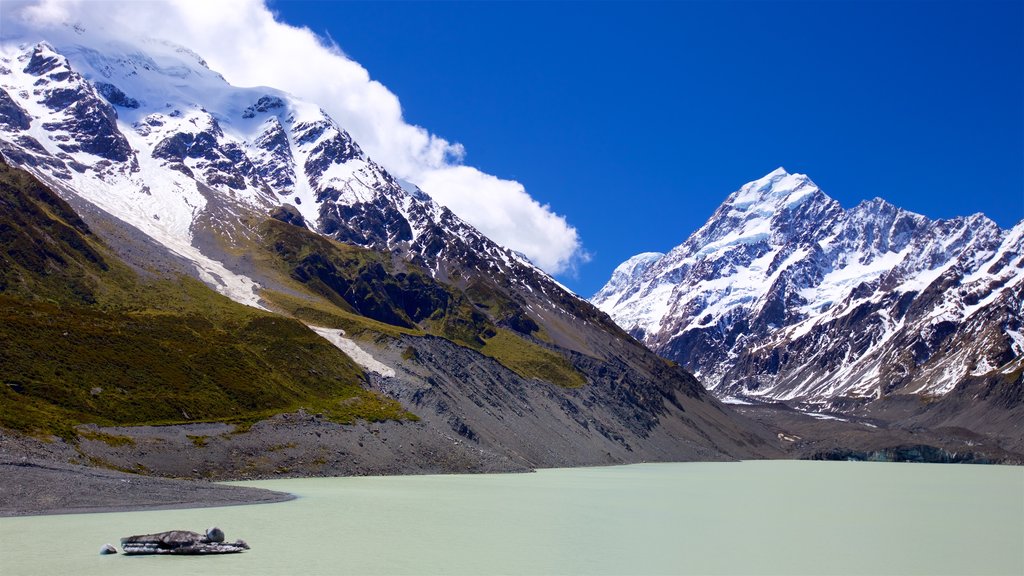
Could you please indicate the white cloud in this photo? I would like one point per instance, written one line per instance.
(503, 207)
(249, 46)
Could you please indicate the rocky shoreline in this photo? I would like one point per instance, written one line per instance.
(179, 466)
(36, 487)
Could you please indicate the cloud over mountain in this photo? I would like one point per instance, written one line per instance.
(244, 41)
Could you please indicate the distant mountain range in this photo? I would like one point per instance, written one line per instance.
(132, 166)
(783, 295)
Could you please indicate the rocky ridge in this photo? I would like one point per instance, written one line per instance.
(783, 295)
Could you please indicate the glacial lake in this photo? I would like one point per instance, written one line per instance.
(774, 517)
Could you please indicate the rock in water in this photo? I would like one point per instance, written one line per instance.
(108, 549)
(215, 534)
(181, 542)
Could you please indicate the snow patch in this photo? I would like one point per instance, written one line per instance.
(1018, 341)
(822, 416)
(734, 400)
(237, 287)
(352, 350)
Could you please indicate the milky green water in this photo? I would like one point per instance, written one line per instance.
(698, 518)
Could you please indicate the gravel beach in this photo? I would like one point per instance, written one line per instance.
(38, 487)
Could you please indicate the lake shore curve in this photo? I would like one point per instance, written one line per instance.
(37, 487)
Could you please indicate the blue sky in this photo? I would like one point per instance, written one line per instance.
(635, 120)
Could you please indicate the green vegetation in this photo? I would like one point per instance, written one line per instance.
(505, 312)
(85, 340)
(363, 285)
(279, 447)
(166, 367)
(366, 405)
(531, 360)
(101, 463)
(320, 313)
(365, 294)
(198, 440)
(47, 252)
(112, 440)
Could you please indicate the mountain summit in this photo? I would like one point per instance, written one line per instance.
(783, 295)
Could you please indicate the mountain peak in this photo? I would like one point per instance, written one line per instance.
(641, 259)
(45, 59)
(624, 274)
(779, 204)
(777, 189)
(875, 206)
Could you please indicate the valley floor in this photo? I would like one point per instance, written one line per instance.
(179, 464)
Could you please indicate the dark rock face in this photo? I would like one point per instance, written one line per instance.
(373, 225)
(30, 153)
(288, 214)
(175, 148)
(115, 96)
(45, 60)
(90, 121)
(337, 149)
(400, 300)
(12, 116)
(96, 122)
(916, 453)
(232, 168)
(306, 132)
(220, 163)
(264, 104)
(277, 168)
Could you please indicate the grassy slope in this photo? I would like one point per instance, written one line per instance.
(362, 291)
(530, 360)
(85, 340)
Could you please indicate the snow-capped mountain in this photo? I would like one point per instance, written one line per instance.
(123, 123)
(784, 295)
(143, 130)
